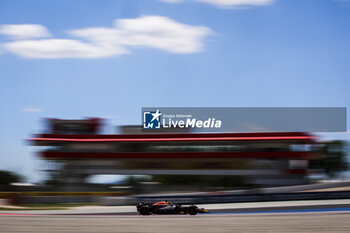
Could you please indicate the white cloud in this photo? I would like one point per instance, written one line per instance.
(148, 31)
(232, 3)
(60, 48)
(228, 3)
(32, 109)
(24, 31)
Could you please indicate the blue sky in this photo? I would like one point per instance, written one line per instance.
(73, 59)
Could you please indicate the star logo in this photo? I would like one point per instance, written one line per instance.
(156, 115)
(152, 119)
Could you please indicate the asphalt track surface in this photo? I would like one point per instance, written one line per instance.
(288, 209)
(303, 218)
(303, 222)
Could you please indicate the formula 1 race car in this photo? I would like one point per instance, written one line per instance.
(164, 207)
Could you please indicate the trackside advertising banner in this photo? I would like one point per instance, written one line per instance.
(237, 119)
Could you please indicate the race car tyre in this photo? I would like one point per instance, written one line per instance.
(192, 210)
(144, 210)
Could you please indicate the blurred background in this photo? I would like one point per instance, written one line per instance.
(83, 165)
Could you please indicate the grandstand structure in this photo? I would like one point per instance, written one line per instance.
(79, 149)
